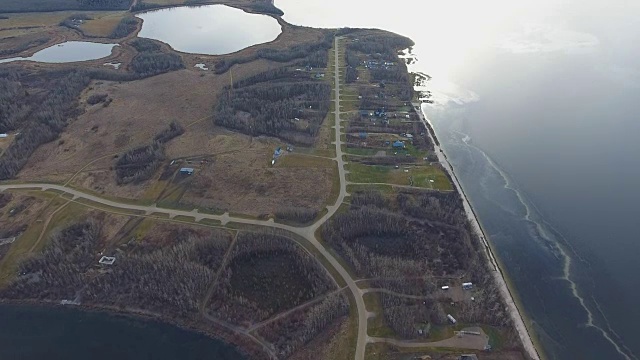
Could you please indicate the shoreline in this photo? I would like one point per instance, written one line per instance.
(499, 275)
(186, 324)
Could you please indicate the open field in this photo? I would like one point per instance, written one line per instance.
(417, 176)
(57, 5)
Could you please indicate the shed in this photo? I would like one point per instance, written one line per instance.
(446, 287)
(3, 135)
(398, 144)
(467, 286)
(107, 260)
(451, 318)
(186, 171)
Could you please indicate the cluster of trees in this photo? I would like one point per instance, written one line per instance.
(153, 63)
(300, 215)
(59, 271)
(150, 59)
(97, 98)
(265, 7)
(315, 54)
(25, 46)
(171, 279)
(353, 61)
(139, 164)
(41, 119)
(266, 274)
(174, 130)
(297, 329)
(14, 102)
(145, 45)
(376, 239)
(105, 4)
(270, 107)
(125, 27)
(381, 45)
(403, 314)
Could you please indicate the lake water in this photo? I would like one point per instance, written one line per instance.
(211, 29)
(70, 51)
(34, 333)
(536, 105)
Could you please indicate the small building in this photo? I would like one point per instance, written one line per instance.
(186, 171)
(363, 135)
(398, 144)
(409, 136)
(452, 319)
(3, 136)
(467, 286)
(277, 153)
(364, 113)
(468, 357)
(107, 260)
(446, 287)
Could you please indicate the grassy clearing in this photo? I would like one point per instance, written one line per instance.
(417, 176)
(294, 160)
(102, 24)
(376, 325)
(362, 151)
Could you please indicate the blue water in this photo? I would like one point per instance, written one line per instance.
(537, 105)
(69, 51)
(30, 332)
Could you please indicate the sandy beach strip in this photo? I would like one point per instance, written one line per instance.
(514, 311)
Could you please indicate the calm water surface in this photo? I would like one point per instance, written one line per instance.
(70, 51)
(537, 106)
(34, 333)
(212, 29)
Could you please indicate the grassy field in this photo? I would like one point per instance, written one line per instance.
(417, 176)
(102, 24)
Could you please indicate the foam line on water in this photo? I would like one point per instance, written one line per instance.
(539, 224)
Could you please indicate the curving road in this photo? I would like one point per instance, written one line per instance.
(307, 233)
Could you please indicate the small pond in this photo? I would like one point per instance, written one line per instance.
(210, 30)
(69, 51)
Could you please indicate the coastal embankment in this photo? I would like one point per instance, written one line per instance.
(516, 315)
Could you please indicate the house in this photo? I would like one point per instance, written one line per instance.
(467, 286)
(398, 145)
(186, 171)
(3, 135)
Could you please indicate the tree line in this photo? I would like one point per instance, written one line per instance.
(266, 274)
(139, 164)
(262, 106)
(291, 332)
(25, 46)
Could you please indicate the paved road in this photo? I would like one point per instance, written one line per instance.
(306, 232)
